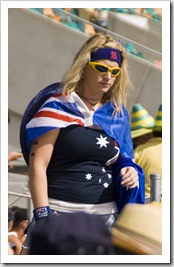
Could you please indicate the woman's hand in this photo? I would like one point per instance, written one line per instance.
(129, 177)
(13, 155)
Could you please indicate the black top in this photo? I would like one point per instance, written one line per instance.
(79, 170)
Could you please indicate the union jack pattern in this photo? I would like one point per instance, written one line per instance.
(60, 111)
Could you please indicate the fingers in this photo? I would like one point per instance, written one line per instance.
(13, 155)
(129, 177)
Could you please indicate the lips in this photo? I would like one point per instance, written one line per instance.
(105, 84)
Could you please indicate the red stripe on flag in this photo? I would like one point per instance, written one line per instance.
(57, 95)
(61, 117)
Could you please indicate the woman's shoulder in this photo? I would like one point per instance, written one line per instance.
(36, 102)
(13, 234)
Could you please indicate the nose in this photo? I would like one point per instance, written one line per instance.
(107, 75)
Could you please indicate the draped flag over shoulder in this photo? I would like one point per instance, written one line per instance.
(117, 126)
(55, 110)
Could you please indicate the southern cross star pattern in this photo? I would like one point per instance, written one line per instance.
(102, 141)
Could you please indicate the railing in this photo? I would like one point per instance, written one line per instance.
(132, 11)
(155, 187)
(121, 38)
(117, 36)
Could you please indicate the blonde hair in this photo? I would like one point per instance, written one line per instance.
(117, 94)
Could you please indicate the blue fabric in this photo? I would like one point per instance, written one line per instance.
(125, 195)
(117, 126)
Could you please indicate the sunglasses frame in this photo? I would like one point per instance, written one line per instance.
(93, 64)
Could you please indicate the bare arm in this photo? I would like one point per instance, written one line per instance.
(18, 245)
(40, 155)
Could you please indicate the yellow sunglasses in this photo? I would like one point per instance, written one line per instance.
(103, 69)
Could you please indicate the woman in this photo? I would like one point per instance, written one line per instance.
(78, 144)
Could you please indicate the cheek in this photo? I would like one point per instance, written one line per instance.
(91, 75)
(113, 80)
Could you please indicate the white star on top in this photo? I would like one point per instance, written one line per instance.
(99, 181)
(88, 176)
(109, 176)
(105, 185)
(103, 169)
(102, 141)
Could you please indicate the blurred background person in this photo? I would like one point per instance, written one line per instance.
(87, 14)
(16, 233)
(149, 154)
(100, 17)
(11, 245)
(141, 123)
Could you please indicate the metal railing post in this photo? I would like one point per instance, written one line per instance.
(155, 187)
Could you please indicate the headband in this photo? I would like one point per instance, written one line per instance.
(107, 53)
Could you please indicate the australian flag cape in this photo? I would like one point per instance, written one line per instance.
(50, 109)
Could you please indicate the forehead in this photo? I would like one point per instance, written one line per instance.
(108, 62)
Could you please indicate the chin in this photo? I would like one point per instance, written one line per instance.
(105, 89)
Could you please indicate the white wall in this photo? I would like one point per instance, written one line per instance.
(39, 53)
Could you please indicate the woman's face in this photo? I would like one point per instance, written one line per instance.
(97, 82)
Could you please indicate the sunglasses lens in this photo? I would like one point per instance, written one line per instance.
(115, 72)
(104, 69)
(101, 69)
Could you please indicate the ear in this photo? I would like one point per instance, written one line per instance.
(23, 224)
(83, 72)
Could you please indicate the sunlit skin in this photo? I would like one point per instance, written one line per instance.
(95, 84)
